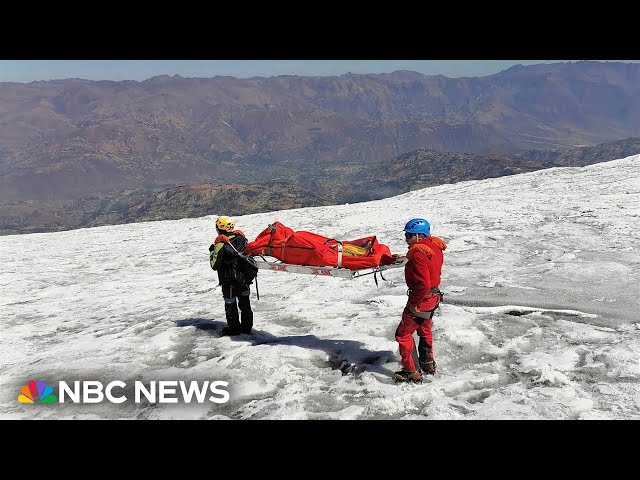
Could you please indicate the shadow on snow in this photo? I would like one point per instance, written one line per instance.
(348, 356)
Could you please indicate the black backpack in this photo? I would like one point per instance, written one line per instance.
(244, 270)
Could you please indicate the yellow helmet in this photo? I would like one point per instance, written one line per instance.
(225, 223)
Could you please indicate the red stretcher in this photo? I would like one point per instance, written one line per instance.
(309, 253)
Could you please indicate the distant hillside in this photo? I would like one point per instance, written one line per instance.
(200, 200)
(63, 140)
(580, 157)
(425, 168)
(418, 169)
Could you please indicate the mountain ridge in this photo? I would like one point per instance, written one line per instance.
(65, 142)
(350, 184)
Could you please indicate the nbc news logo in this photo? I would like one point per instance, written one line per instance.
(92, 391)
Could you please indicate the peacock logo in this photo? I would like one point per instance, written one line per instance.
(39, 391)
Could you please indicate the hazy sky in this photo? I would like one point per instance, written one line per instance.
(30, 70)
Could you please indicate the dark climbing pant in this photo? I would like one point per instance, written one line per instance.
(234, 298)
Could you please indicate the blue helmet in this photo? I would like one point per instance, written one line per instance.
(418, 225)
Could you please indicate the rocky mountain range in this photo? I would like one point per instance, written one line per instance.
(418, 169)
(80, 153)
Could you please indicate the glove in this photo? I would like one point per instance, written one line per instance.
(221, 238)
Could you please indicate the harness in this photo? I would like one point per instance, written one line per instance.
(422, 316)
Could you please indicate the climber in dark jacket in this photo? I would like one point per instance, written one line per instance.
(224, 258)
